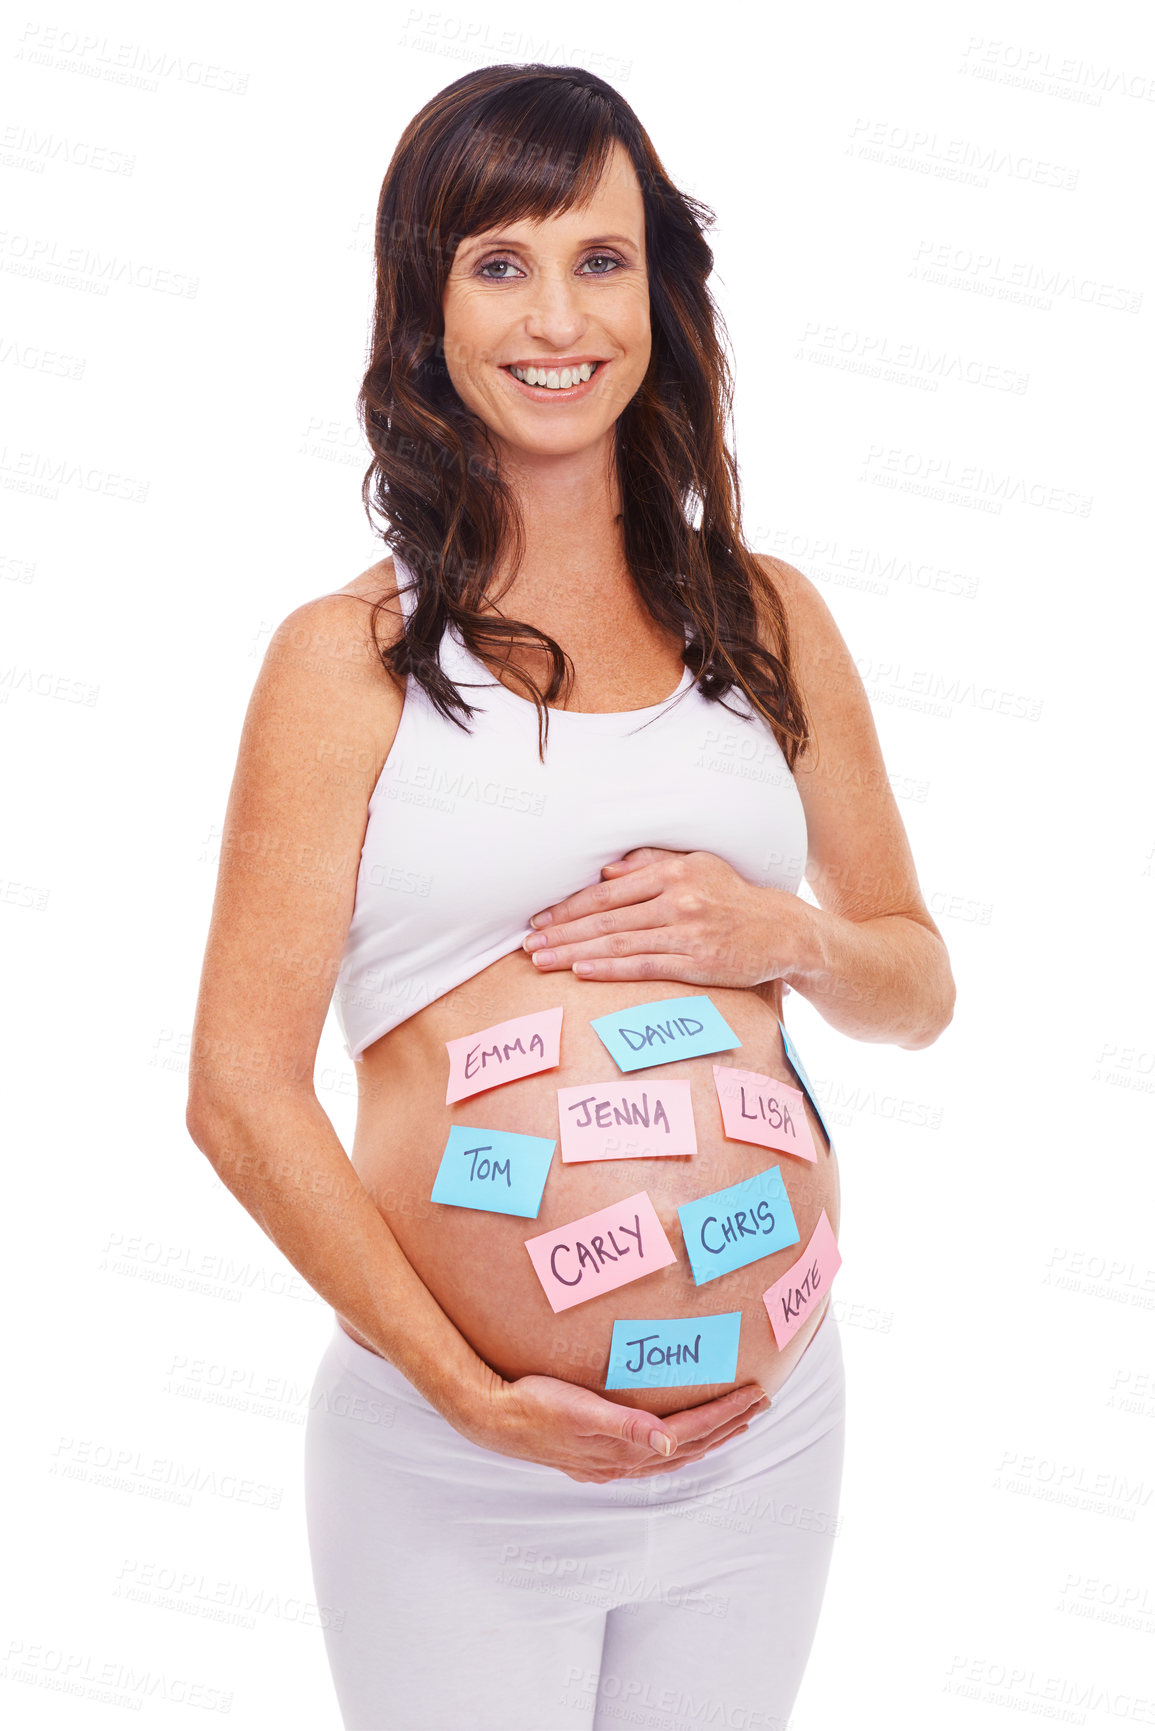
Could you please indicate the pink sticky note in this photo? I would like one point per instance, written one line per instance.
(600, 1251)
(520, 1047)
(626, 1120)
(802, 1288)
(763, 1110)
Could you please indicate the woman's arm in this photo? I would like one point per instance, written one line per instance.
(320, 721)
(869, 958)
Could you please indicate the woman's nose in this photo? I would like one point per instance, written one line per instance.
(554, 314)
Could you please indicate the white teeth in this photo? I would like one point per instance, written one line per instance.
(553, 380)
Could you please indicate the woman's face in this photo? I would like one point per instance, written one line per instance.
(567, 292)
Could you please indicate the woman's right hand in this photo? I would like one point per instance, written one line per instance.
(563, 1425)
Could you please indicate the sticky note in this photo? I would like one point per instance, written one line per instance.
(791, 1053)
(504, 1053)
(732, 1227)
(626, 1120)
(498, 1170)
(802, 1288)
(763, 1110)
(661, 1032)
(600, 1251)
(673, 1352)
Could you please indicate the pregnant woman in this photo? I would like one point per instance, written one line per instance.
(572, 748)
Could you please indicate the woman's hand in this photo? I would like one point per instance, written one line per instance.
(660, 915)
(563, 1425)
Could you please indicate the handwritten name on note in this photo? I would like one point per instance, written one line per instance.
(626, 1120)
(802, 1288)
(498, 1170)
(661, 1032)
(504, 1053)
(763, 1110)
(732, 1227)
(791, 1051)
(674, 1352)
(600, 1251)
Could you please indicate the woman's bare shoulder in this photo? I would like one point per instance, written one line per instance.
(378, 583)
(792, 585)
(818, 651)
(378, 580)
(329, 637)
(339, 619)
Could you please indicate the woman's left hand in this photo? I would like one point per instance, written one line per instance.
(660, 915)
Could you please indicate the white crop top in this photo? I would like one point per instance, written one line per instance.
(469, 834)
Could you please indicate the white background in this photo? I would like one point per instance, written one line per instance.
(933, 254)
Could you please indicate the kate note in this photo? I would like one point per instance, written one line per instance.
(802, 1288)
(504, 1053)
(600, 1251)
(626, 1120)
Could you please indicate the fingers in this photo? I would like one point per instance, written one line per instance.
(745, 1417)
(645, 927)
(694, 1451)
(695, 1423)
(691, 1450)
(681, 1459)
(686, 1460)
(607, 893)
(639, 856)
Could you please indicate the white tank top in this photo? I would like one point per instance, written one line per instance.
(469, 834)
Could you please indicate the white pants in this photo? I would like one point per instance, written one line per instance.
(464, 1590)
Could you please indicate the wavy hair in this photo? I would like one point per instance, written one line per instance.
(505, 143)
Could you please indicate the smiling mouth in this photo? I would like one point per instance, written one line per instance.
(555, 381)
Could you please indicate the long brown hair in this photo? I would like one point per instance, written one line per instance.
(505, 143)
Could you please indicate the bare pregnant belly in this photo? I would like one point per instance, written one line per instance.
(475, 1263)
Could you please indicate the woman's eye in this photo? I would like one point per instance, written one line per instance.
(602, 258)
(493, 262)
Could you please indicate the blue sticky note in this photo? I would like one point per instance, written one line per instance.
(663, 1031)
(674, 1351)
(498, 1170)
(732, 1227)
(792, 1055)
